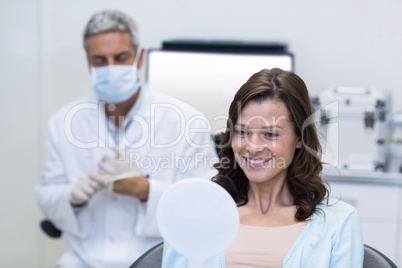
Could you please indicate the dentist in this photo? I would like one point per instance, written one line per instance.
(102, 199)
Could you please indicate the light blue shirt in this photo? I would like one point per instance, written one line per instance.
(331, 238)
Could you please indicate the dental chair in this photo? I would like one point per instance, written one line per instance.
(372, 258)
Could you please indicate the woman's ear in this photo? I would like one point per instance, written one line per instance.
(299, 144)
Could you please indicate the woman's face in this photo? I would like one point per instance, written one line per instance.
(264, 141)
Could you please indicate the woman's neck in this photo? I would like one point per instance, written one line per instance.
(268, 205)
(269, 195)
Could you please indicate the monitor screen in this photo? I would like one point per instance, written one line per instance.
(208, 80)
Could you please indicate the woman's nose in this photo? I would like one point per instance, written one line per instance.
(255, 143)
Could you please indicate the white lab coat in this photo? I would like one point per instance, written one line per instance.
(112, 230)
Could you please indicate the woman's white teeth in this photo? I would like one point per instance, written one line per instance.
(257, 161)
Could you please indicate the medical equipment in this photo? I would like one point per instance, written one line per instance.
(355, 128)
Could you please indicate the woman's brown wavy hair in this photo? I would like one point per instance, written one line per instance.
(303, 176)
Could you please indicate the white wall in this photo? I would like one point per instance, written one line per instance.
(334, 42)
(43, 66)
(20, 108)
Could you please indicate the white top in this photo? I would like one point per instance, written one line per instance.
(257, 246)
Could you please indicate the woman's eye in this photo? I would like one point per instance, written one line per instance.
(241, 133)
(271, 135)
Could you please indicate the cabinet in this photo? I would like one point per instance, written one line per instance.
(400, 246)
(378, 202)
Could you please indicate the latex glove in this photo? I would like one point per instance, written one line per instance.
(118, 168)
(87, 186)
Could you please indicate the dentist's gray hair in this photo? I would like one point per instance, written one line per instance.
(111, 21)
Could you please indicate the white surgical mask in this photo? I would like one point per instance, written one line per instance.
(115, 83)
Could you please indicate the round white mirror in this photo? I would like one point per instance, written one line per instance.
(198, 218)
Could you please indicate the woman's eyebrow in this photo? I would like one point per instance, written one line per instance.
(263, 128)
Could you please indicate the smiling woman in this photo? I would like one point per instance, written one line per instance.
(272, 108)
(263, 133)
(270, 164)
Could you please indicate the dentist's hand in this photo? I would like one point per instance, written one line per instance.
(120, 168)
(125, 177)
(87, 186)
(137, 186)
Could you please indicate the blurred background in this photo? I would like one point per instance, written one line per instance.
(43, 66)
